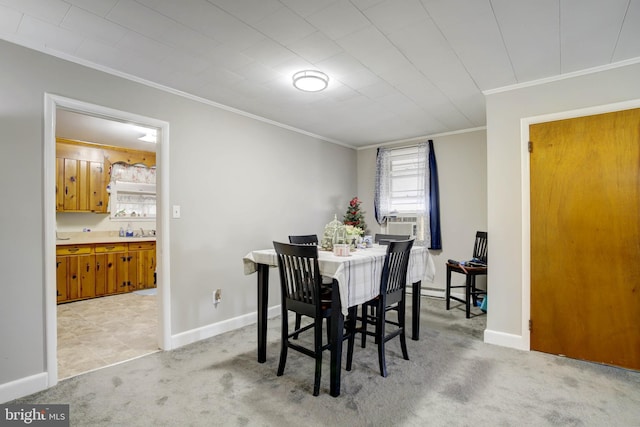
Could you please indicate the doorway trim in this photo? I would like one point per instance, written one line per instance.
(51, 103)
(526, 190)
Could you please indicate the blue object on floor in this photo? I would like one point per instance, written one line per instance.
(483, 306)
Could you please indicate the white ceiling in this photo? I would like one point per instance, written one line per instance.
(399, 69)
(97, 130)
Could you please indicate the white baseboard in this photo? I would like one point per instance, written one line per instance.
(23, 387)
(505, 340)
(214, 329)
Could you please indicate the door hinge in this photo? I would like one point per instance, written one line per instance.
(530, 145)
(530, 325)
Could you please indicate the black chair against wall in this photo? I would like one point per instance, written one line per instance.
(477, 267)
(310, 239)
(300, 285)
(384, 239)
(392, 298)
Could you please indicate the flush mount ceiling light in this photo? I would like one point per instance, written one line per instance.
(310, 80)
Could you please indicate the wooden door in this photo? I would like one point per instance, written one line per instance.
(585, 238)
(122, 273)
(146, 264)
(96, 202)
(87, 283)
(101, 274)
(132, 274)
(61, 279)
(60, 184)
(70, 189)
(73, 271)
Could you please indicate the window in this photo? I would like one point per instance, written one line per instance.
(407, 183)
(407, 189)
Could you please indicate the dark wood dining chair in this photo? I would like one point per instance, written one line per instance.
(384, 239)
(477, 266)
(392, 298)
(300, 285)
(310, 239)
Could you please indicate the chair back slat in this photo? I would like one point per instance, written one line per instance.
(305, 239)
(480, 248)
(299, 273)
(384, 239)
(396, 263)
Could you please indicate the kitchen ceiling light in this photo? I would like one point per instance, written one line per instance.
(148, 138)
(310, 80)
(150, 135)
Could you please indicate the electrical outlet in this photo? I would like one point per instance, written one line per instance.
(217, 296)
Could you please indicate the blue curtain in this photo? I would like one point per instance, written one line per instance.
(434, 200)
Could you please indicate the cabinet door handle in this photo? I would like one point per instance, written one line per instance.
(66, 189)
(97, 266)
(88, 267)
(129, 258)
(109, 247)
(73, 249)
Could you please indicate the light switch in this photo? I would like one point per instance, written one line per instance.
(176, 211)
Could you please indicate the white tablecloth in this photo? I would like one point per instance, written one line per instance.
(359, 274)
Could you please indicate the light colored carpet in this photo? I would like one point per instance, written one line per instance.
(452, 379)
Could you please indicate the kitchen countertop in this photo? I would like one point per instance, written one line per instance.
(91, 237)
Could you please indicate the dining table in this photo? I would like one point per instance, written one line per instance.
(356, 279)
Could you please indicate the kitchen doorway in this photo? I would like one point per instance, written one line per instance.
(55, 104)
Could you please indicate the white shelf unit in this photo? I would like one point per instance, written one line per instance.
(133, 201)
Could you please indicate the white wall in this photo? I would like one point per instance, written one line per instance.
(508, 304)
(241, 183)
(462, 174)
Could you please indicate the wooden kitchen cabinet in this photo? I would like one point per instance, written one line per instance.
(62, 287)
(146, 263)
(75, 272)
(82, 171)
(81, 178)
(111, 268)
(94, 270)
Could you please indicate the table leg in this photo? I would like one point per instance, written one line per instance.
(415, 314)
(263, 298)
(468, 295)
(447, 295)
(337, 328)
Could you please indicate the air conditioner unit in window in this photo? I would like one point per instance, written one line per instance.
(402, 225)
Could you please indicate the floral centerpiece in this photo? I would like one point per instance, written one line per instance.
(354, 235)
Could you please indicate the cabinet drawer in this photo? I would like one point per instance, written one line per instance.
(111, 247)
(74, 249)
(141, 246)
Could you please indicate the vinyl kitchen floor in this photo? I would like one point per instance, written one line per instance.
(102, 331)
